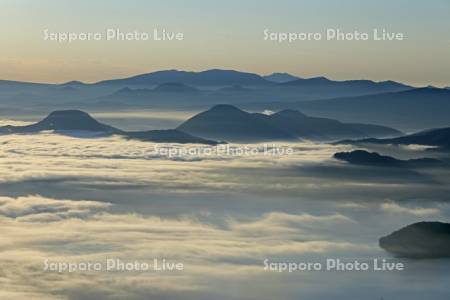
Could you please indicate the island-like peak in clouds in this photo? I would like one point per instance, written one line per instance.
(64, 120)
(362, 157)
(419, 240)
(71, 122)
(432, 137)
(229, 123)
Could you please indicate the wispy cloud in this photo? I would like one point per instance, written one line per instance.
(395, 208)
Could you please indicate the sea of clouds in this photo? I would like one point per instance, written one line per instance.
(74, 199)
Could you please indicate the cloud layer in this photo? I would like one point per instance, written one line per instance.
(71, 200)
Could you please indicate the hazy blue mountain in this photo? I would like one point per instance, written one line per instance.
(68, 89)
(128, 92)
(168, 136)
(68, 120)
(228, 123)
(315, 128)
(234, 89)
(164, 95)
(236, 84)
(167, 87)
(362, 157)
(432, 137)
(174, 87)
(11, 88)
(280, 77)
(357, 84)
(360, 87)
(213, 77)
(314, 81)
(419, 240)
(408, 110)
(13, 83)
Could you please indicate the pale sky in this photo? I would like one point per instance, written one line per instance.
(227, 35)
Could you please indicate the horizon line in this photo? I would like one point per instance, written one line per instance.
(212, 69)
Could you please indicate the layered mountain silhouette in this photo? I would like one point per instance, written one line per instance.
(323, 88)
(174, 87)
(354, 84)
(180, 89)
(362, 157)
(222, 122)
(167, 87)
(70, 121)
(280, 77)
(132, 93)
(413, 109)
(314, 128)
(309, 88)
(234, 89)
(432, 137)
(228, 123)
(419, 240)
(168, 92)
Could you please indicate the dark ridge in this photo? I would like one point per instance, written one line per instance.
(228, 123)
(432, 137)
(419, 240)
(362, 157)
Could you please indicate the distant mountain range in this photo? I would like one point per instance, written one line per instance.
(419, 240)
(213, 77)
(70, 121)
(433, 137)
(386, 103)
(362, 157)
(309, 88)
(218, 77)
(168, 87)
(412, 109)
(228, 123)
(356, 85)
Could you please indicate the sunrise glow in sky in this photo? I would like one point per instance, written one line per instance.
(227, 35)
